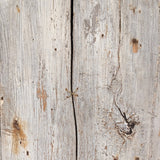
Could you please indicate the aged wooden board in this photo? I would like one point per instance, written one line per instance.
(116, 68)
(36, 117)
(117, 59)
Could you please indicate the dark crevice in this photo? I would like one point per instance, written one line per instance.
(74, 111)
(119, 65)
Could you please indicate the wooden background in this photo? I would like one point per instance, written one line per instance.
(114, 53)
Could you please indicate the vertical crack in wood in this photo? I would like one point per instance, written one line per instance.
(119, 46)
(74, 111)
(119, 43)
(118, 55)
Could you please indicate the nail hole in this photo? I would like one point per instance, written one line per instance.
(55, 49)
(102, 35)
(136, 158)
(27, 153)
(135, 41)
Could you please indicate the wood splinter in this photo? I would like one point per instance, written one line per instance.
(72, 93)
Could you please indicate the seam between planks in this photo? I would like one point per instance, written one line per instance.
(74, 111)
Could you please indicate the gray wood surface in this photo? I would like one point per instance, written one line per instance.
(116, 65)
(117, 55)
(36, 118)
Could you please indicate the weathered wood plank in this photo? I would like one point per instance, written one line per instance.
(116, 59)
(37, 119)
(116, 56)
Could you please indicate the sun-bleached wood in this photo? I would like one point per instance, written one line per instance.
(117, 54)
(36, 117)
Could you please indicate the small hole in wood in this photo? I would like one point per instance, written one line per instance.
(102, 35)
(2, 98)
(139, 11)
(136, 158)
(27, 153)
(135, 41)
(55, 49)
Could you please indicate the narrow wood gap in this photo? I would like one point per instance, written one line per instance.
(118, 55)
(74, 111)
(119, 46)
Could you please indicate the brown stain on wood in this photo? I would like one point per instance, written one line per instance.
(52, 147)
(159, 134)
(42, 95)
(115, 158)
(19, 138)
(136, 158)
(132, 8)
(106, 30)
(134, 45)
(18, 9)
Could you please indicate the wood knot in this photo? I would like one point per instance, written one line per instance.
(15, 124)
(19, 137)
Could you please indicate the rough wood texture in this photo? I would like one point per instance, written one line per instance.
(116, 65)
(37, 120)
(117, 55)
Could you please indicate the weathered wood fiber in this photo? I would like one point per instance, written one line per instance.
(116, 63)
(117, 54)
(37, 120)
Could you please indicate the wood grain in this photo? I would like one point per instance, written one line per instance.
(35, 70)
(116, 64)
(116, 55)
